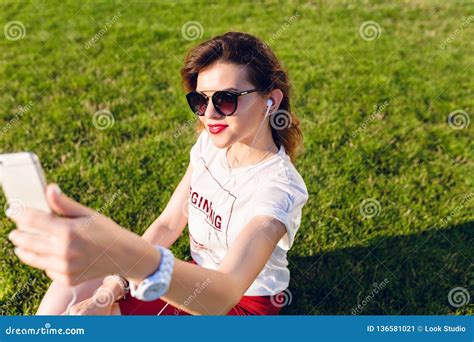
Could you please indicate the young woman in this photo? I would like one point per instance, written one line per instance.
(241, 197)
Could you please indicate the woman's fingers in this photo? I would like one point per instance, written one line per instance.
(57, 268)
(37, 220)
(64, 205)
(47, 245)
(86, 307)
(75, 311)
(33, 242)
(33, 259)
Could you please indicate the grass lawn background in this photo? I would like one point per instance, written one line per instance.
(416, 166)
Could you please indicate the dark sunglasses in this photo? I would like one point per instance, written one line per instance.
(224, 101)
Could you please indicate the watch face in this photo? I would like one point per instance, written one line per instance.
(154, 291)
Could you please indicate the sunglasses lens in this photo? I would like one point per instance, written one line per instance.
(225, 103)
(197, 103)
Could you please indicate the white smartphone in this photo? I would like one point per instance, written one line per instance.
(23, 181)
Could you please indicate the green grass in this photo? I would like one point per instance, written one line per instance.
(408, 158)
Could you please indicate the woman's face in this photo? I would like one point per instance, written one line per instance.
(243, 124)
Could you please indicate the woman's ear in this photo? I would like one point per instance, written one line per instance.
(276, 95)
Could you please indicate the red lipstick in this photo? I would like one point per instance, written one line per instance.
(217, 128)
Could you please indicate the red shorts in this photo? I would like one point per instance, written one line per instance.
(248, 305)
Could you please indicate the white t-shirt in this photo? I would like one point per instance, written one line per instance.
(220, 207)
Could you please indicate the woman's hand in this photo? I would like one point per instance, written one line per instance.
(80, 245)
(93, 306)
(102, 302)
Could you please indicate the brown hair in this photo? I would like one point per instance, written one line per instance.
(264, 72)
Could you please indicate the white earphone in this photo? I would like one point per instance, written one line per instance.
(269, 105)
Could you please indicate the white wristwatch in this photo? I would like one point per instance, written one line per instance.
(157, 284)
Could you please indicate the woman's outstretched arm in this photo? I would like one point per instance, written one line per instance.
(165, 230)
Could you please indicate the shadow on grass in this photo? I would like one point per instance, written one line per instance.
(403, 275)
